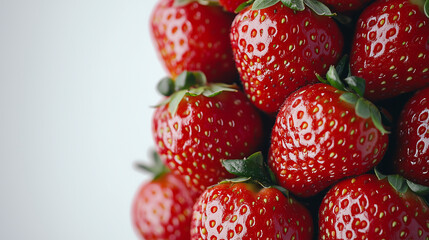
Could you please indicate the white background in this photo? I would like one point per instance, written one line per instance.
(77, 79)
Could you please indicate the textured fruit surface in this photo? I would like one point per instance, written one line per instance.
(391, 48)
(194, 37)
(368, 208)
(318, 139)
(231, 5)
(277, 50)
(204, 131)
(244, 211)
(162, 209)
(412, 157)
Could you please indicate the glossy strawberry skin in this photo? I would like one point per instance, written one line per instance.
(391, 48)
(412, 156)
(277, 50)
(162, 208)
(231, 5)
(194, 37)
(368, 208)
(204, 131)
(318, 139)
(244, 211)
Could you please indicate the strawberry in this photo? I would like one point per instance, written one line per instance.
(194, 37)
(346, 6)
(323, 134)
(198, 126)
(231, 5)
(278, 49)
(367, 207)
(162, 207)
(391, 48)
(412, 155)
(250, 207)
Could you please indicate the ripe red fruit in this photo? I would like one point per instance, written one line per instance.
(321, 137)
(210, 123)
(231, 5)
(366, 207)
(194, 37)
(391, 48)
(245, 209)
(277, 50)
(162, 207)
(412, 155)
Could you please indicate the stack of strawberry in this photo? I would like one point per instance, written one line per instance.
(289, 119)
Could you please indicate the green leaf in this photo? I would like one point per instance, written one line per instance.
(362, 108)
(243, 6)
(196, 91)
(342, 66)
(236, 180)
(349, 97)
(261, 4)
(215, 89)
(185, 80)
(252, 167)
(318, 7)
(417, 188)
(165, 86)
(174, 101)
(357, 84)
(157, 168)
(376, 119)
(334, 79)
(321, 79)
(398, 183)
(297, 5)
(379, 175)
(426, 8)
(282, 190)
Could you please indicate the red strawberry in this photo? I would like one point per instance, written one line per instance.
(162, 208)
(391, 48)
(323, 134)
(366, 207)
(194, 37)
(346, 6)
(277, 50)
(246, 209)
(412, 156)
(197, 127)
(231, 5)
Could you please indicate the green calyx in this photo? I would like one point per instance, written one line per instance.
(157, 169)
(423, 5)
(426, 8)
(189, 84)
(297, 5)
(402, 185)
(253, 169)
(354, 88)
